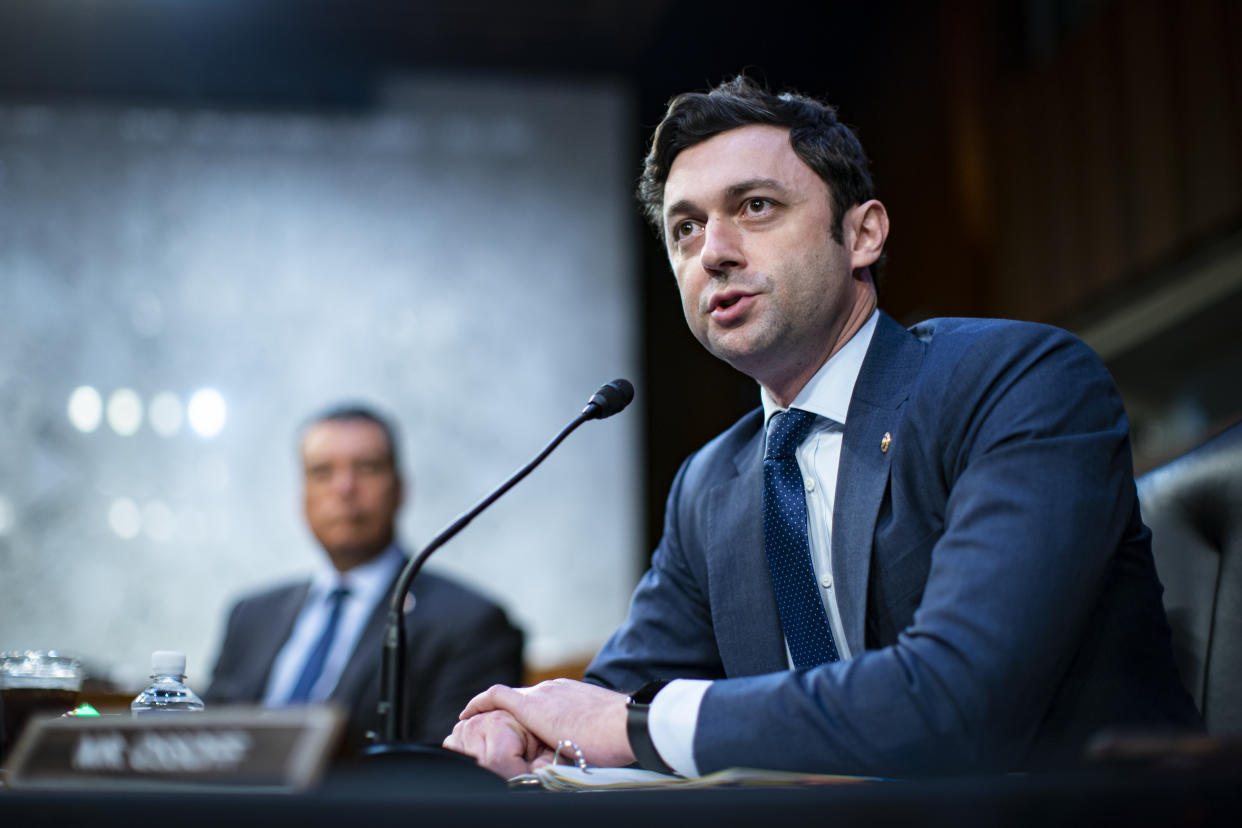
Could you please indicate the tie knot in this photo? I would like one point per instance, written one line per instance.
(338, 594)
(787, 430)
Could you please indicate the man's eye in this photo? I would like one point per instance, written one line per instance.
(683, 229)
(756, 205)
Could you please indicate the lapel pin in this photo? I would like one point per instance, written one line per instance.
(885, 442)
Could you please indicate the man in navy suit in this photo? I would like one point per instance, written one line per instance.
(976, 590)
(320, 640)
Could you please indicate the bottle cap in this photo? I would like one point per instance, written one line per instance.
(167, 663)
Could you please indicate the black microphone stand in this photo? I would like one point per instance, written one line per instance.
(607, 401)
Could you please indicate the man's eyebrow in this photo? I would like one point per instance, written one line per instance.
(685, 205)
(743, 187)
(733, 191)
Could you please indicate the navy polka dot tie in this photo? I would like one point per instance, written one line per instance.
(785, 542)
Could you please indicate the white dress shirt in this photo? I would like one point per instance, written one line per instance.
(368, 584)
(675, 709)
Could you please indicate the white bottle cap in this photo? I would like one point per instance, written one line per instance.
(167, 663)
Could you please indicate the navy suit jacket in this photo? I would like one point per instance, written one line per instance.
(457, 645)
(993, 575)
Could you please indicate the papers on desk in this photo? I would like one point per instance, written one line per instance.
(576, 778)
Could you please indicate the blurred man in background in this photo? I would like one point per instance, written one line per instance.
(321, 640)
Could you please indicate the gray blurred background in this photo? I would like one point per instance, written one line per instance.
(183, 286)
(426, 204)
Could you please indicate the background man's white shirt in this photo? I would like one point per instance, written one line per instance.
(368, 584)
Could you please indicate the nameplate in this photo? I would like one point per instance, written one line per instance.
(238, 749)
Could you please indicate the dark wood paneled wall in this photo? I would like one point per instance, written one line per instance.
(1119, 151)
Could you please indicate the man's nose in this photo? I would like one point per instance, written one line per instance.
(722, 246)
(344, 481)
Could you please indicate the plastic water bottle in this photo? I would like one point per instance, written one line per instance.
(167, 693)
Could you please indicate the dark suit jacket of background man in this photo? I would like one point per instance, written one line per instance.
(994, 578)
(457, 645)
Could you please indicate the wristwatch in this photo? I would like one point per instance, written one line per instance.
(637, 707)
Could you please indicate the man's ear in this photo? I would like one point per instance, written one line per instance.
(866, 229)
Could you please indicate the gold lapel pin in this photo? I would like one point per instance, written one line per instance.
(885, 442)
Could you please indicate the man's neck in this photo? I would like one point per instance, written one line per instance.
(829, 392)
(344, 560)
(784, 389)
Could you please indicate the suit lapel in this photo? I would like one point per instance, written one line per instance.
(364, 661)
(888, 371)
(749, 636)
(269, 639)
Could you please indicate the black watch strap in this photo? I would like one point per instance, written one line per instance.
(636, 707)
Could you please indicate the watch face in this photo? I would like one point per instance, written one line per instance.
(647, 692)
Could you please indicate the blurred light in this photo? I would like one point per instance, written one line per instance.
(165, 414)
(207, 412)
(6, 516)
(124, 412)
(158, 521)
(124, 518)
(85, 408)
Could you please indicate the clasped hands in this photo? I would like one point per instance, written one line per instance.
(512, 730)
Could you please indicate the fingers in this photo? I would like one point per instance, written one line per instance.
(543, 757)
(496, 697)
(591, 716)
(497, 742)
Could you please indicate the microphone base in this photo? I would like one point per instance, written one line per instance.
(427, 767)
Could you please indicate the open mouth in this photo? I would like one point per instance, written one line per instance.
(723, 303)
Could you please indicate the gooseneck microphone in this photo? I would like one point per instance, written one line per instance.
(608, 400)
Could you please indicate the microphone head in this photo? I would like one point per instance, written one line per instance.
(609, 399)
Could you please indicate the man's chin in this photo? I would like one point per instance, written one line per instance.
(347, 555)
(738, 348)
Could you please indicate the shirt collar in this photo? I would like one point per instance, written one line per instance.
(828, 393)
(364, 580)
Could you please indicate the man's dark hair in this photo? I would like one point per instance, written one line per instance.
(823, 143)
(350, 411)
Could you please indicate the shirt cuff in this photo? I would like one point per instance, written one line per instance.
(672, 720)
